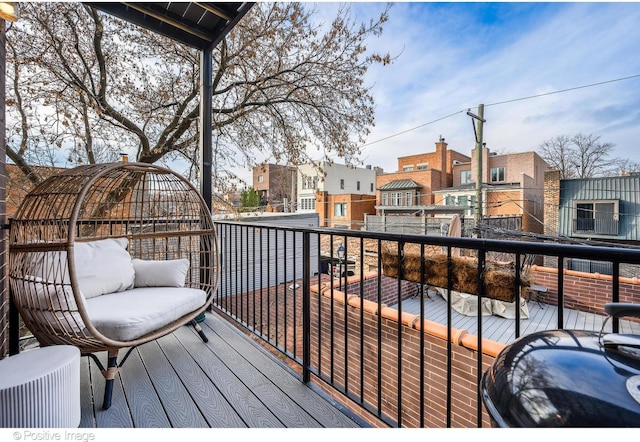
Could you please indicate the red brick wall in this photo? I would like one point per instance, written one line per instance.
(330, 338)
(429, 180)
(388, 289)
(357, 206)
(346, 367)
(584, 291)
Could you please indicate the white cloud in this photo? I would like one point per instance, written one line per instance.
(455, 56)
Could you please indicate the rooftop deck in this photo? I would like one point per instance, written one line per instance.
(230, 382)
(503, 330)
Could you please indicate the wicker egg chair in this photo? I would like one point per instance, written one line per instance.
(111, 256)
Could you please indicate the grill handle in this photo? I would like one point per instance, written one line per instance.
(617, 309)
(628, 343)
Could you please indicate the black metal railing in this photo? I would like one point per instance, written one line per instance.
(280, 283)
(597, 226)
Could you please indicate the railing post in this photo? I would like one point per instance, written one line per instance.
(14, 327)
(306, 306)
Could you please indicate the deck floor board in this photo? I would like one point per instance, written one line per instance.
(229, 382)
(499, 329)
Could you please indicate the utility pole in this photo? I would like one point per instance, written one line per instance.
(478, 136)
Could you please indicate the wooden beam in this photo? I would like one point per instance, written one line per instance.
(168, 20)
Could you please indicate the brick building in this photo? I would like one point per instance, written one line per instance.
(410, 189)
(342, 195)
(512, 186)
(276, 185)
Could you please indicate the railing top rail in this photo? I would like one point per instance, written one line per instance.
(604, 253)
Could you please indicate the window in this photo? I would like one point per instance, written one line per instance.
(371, 187)
(450, 200)
(407, 169)
(497, 174)
(596, 217)
(423, 166)
(385, 199)
(409, 198)
(340, 209)
(463, 200)
(342, 184)
(260, 178)
(358, 185)
(465, 177)
(309, 182)
(308, 204)
(396, 198)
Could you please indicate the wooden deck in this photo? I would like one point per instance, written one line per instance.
(498, 329)
(230, 382)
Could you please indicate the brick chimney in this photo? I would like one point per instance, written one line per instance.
(551, 202)
(441, 156)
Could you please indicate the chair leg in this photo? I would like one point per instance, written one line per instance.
(199, 330)
(112, 368)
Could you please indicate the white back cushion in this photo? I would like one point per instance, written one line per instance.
(169, 273)
(103, 266)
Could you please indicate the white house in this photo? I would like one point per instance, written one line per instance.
(335, 179)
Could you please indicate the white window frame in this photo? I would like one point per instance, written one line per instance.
(408, 198)
(340, 210)
(498, 174)
(610, 227)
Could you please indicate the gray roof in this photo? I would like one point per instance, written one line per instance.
(400, 185)
(201, 25)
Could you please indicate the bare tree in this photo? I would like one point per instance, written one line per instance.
(86, 86)
(581, 156)
(557, 153)
(624, 167)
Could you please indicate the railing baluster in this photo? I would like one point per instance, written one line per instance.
(481, 295)
(306, 307)
(399, 331)
(371, 384)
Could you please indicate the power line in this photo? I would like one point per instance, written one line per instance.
(503, 102)
(563, 90)
(413, 128)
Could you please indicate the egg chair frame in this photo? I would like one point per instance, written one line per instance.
(159, 218)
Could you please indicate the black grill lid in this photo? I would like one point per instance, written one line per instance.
(563, 378)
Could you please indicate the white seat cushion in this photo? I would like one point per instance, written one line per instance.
(128, 315)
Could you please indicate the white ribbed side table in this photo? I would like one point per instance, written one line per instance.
(40, 388)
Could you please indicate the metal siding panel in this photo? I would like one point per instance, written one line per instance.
(241, 270)
(626, 189)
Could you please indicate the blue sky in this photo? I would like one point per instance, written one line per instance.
(454, 56)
